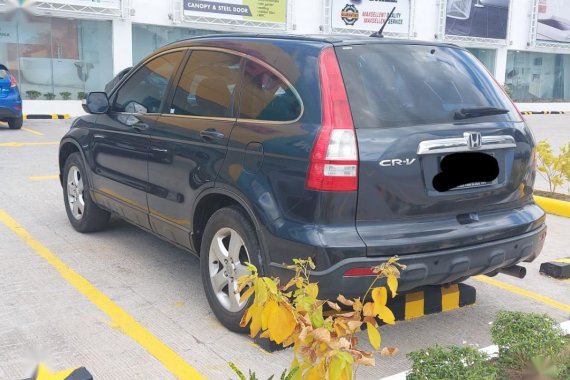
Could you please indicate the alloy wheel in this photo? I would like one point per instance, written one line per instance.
(226, 262)
(75, 192)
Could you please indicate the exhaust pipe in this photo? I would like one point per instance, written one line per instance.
(515, 271)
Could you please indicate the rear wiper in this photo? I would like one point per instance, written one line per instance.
(468, 113)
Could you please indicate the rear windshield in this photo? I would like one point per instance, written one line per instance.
(395, 85)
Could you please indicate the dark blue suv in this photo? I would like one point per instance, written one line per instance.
(10, 100)
(348, 150)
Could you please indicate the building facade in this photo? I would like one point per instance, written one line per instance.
(62, 49)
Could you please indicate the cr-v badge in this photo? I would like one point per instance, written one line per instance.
(398, 162)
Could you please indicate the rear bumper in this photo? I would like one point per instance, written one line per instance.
(431, 268)
(10, 108)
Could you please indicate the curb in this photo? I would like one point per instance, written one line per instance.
(543, 112)
(428, 300)
(559, 268)
(432, 300)
(47, 117)
(553, 206)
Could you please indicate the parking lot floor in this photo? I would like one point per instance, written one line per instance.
(48, 315)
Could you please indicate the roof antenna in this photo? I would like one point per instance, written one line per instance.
(379, 33)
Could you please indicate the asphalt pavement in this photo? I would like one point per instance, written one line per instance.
(128, 305)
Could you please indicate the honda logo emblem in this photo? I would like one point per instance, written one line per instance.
(473, 140)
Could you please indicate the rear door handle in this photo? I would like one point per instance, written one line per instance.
(139, 127)
(212, 134)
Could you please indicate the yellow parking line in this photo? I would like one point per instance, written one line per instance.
(120, 318)
(32, 131)
(21, 144)
(525, 293)
(43, 177)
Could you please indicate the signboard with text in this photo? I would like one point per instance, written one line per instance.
(8, 32)
(262, 11)
(477, 19)
(553, 23)
(369, 15)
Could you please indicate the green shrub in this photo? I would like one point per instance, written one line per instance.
(81, 95)
(65, 95)
(554, 168)
(33, 94)
(526, 337)
(49, 95)
(452, 363)
(286, 375)
(551, 367)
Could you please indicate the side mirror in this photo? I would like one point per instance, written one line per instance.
(96, 103)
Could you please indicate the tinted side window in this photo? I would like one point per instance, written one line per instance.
(266, 97)
(144, 92)
(207, 85)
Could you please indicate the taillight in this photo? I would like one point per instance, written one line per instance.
(333, 163)
(13, 82)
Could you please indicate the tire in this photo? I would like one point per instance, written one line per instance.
(84, 215)
(225, 225)
(16, 123)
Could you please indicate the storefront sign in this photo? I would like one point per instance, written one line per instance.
(274, 11)
(8, 32)
(477, 18)
(370, 15)
(553, 24)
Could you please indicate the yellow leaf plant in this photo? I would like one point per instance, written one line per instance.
(322, 333)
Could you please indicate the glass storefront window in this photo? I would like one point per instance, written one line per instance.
(486, 56)
(54, 57)
(538, 77)
(148, 38)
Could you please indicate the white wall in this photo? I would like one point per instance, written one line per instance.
(50, 107)
(426, 21)
(151, 11)
(306, 16)
(122, 45)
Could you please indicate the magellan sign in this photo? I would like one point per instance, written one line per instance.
(263, 11)
(369, 15)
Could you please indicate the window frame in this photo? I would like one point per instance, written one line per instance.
(113, 95)
(174, 84)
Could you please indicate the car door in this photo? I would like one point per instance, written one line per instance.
(121, 142)
(189, 142)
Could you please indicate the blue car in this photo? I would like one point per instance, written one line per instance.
(10, 99)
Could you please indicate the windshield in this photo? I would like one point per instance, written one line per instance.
(397, 85)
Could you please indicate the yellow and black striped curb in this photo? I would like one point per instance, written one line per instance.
(425, 301)
(543, 112)
(553, 206)
(559, 268)
(47, 117)
(432, 300)
(43, 373)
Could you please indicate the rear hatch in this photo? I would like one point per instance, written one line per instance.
(445, 158)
